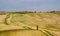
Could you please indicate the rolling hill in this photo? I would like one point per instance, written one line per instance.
(46, 21)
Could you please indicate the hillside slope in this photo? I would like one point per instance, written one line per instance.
(44, 21)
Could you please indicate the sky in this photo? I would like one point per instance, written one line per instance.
(29, 5)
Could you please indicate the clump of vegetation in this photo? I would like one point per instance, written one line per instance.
(6, 19)
(2, 13)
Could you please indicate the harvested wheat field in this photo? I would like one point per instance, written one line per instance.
(23, 33)
(30, 24)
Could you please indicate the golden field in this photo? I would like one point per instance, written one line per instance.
(25, 24)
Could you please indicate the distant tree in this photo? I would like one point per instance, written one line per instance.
(52, 11)
(35, 11)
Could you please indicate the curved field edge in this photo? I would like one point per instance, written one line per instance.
(22, 32)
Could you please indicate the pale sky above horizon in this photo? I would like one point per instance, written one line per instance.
(29, 5)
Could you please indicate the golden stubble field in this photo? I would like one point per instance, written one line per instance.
(48, 24)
